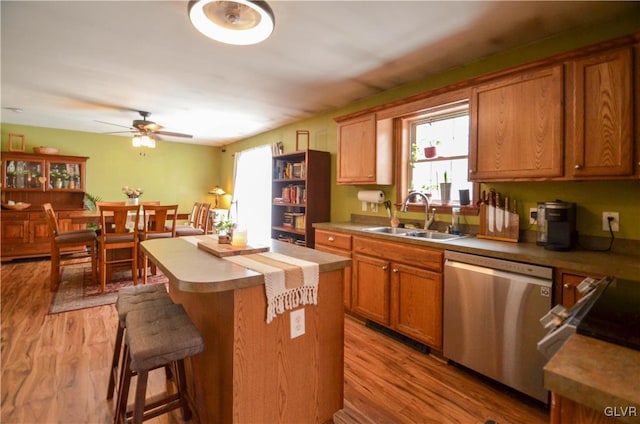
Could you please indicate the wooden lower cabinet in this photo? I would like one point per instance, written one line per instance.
(371, 288)
(24, 234)
(566, 411)
(566, 292)
(399, 286)
(416, 303)
(337, 244)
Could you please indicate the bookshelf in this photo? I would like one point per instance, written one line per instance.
(300, 191)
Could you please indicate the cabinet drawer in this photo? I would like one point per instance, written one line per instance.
(409, 254)
(15, 216)
(334, 240)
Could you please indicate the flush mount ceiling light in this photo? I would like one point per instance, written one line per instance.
(239, 22)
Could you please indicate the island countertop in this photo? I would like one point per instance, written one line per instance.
(194, 270)
(251, 370)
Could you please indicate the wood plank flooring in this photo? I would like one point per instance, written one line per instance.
(55, 369)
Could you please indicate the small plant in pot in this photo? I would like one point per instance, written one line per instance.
(430, 151)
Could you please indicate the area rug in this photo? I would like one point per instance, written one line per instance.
(78, 291)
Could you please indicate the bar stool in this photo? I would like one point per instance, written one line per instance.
(156, 337)
(130, 299)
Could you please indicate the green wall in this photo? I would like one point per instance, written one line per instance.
(172, 173)
(592, 197)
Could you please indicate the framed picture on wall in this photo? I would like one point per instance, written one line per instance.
(16, 142)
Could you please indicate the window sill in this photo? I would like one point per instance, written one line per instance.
(464, 210)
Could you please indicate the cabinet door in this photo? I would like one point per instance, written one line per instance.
(371, 288)
(600, 130)
(22, 173)
(356, 158)
(416, 303)
(346, 277)
(38, 229)
(15, 232)
(517, 127)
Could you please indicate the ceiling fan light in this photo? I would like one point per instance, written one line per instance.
(136, 142)
(238, 22)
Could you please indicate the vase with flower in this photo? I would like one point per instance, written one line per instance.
(133, 195)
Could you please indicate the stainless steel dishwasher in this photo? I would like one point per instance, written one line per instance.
(492, 311)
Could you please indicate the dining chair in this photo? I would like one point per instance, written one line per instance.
(200, 225)
(118, 232)
(159, 222)
(61, 241)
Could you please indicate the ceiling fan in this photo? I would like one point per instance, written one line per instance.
(144, 127)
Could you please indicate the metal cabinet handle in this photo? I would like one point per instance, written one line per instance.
(567, 286)
(472, 171)
(577, 166)
(331, 239)
(384, 267)
(395, 270)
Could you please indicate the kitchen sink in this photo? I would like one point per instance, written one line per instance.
(435, 235)
(391, 230)
(416, 233)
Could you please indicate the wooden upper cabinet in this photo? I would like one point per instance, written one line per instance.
(517, 127)
(600, 115)
(365, 151)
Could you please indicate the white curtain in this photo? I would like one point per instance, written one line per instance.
(251, 207)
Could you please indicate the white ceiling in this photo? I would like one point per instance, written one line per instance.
(70, 64)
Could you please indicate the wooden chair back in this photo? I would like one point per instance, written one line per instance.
(159, 221)
(203, 217)
(101, 203)
(115, 233)
(193, 216)
(52, 220)
(114, 220)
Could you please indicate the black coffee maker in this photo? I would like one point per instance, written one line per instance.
(561, 225)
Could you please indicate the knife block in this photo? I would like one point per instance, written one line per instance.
(507, 230)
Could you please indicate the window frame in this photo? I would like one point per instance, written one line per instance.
(402, 120)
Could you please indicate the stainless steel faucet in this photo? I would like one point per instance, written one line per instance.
(427, 221)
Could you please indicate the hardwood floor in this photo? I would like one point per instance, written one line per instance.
(55, 369)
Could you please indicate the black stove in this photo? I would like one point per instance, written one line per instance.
(614, 315)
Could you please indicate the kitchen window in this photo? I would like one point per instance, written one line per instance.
(439, 151)
(441, 121)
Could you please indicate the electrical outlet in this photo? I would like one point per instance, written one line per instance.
(533, 215)
(297, 323)
(615, 224)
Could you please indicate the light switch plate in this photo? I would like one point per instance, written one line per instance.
(297, 323)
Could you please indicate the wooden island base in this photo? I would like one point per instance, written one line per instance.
(253, 372)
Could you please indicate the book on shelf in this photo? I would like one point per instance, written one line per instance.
(284, 170)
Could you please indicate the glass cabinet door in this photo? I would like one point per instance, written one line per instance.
(65, 175)
(23, 174)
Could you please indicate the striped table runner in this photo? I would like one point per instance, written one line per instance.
(289, 282)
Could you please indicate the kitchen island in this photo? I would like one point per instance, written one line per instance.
(251, 371)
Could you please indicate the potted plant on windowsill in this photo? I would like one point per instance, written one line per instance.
(445, 190)
(430, 151)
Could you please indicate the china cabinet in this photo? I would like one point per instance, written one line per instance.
(300, 195)
(36, 179)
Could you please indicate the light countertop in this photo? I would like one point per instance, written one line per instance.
(192, 269)
(622, 265)
(596, 374)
